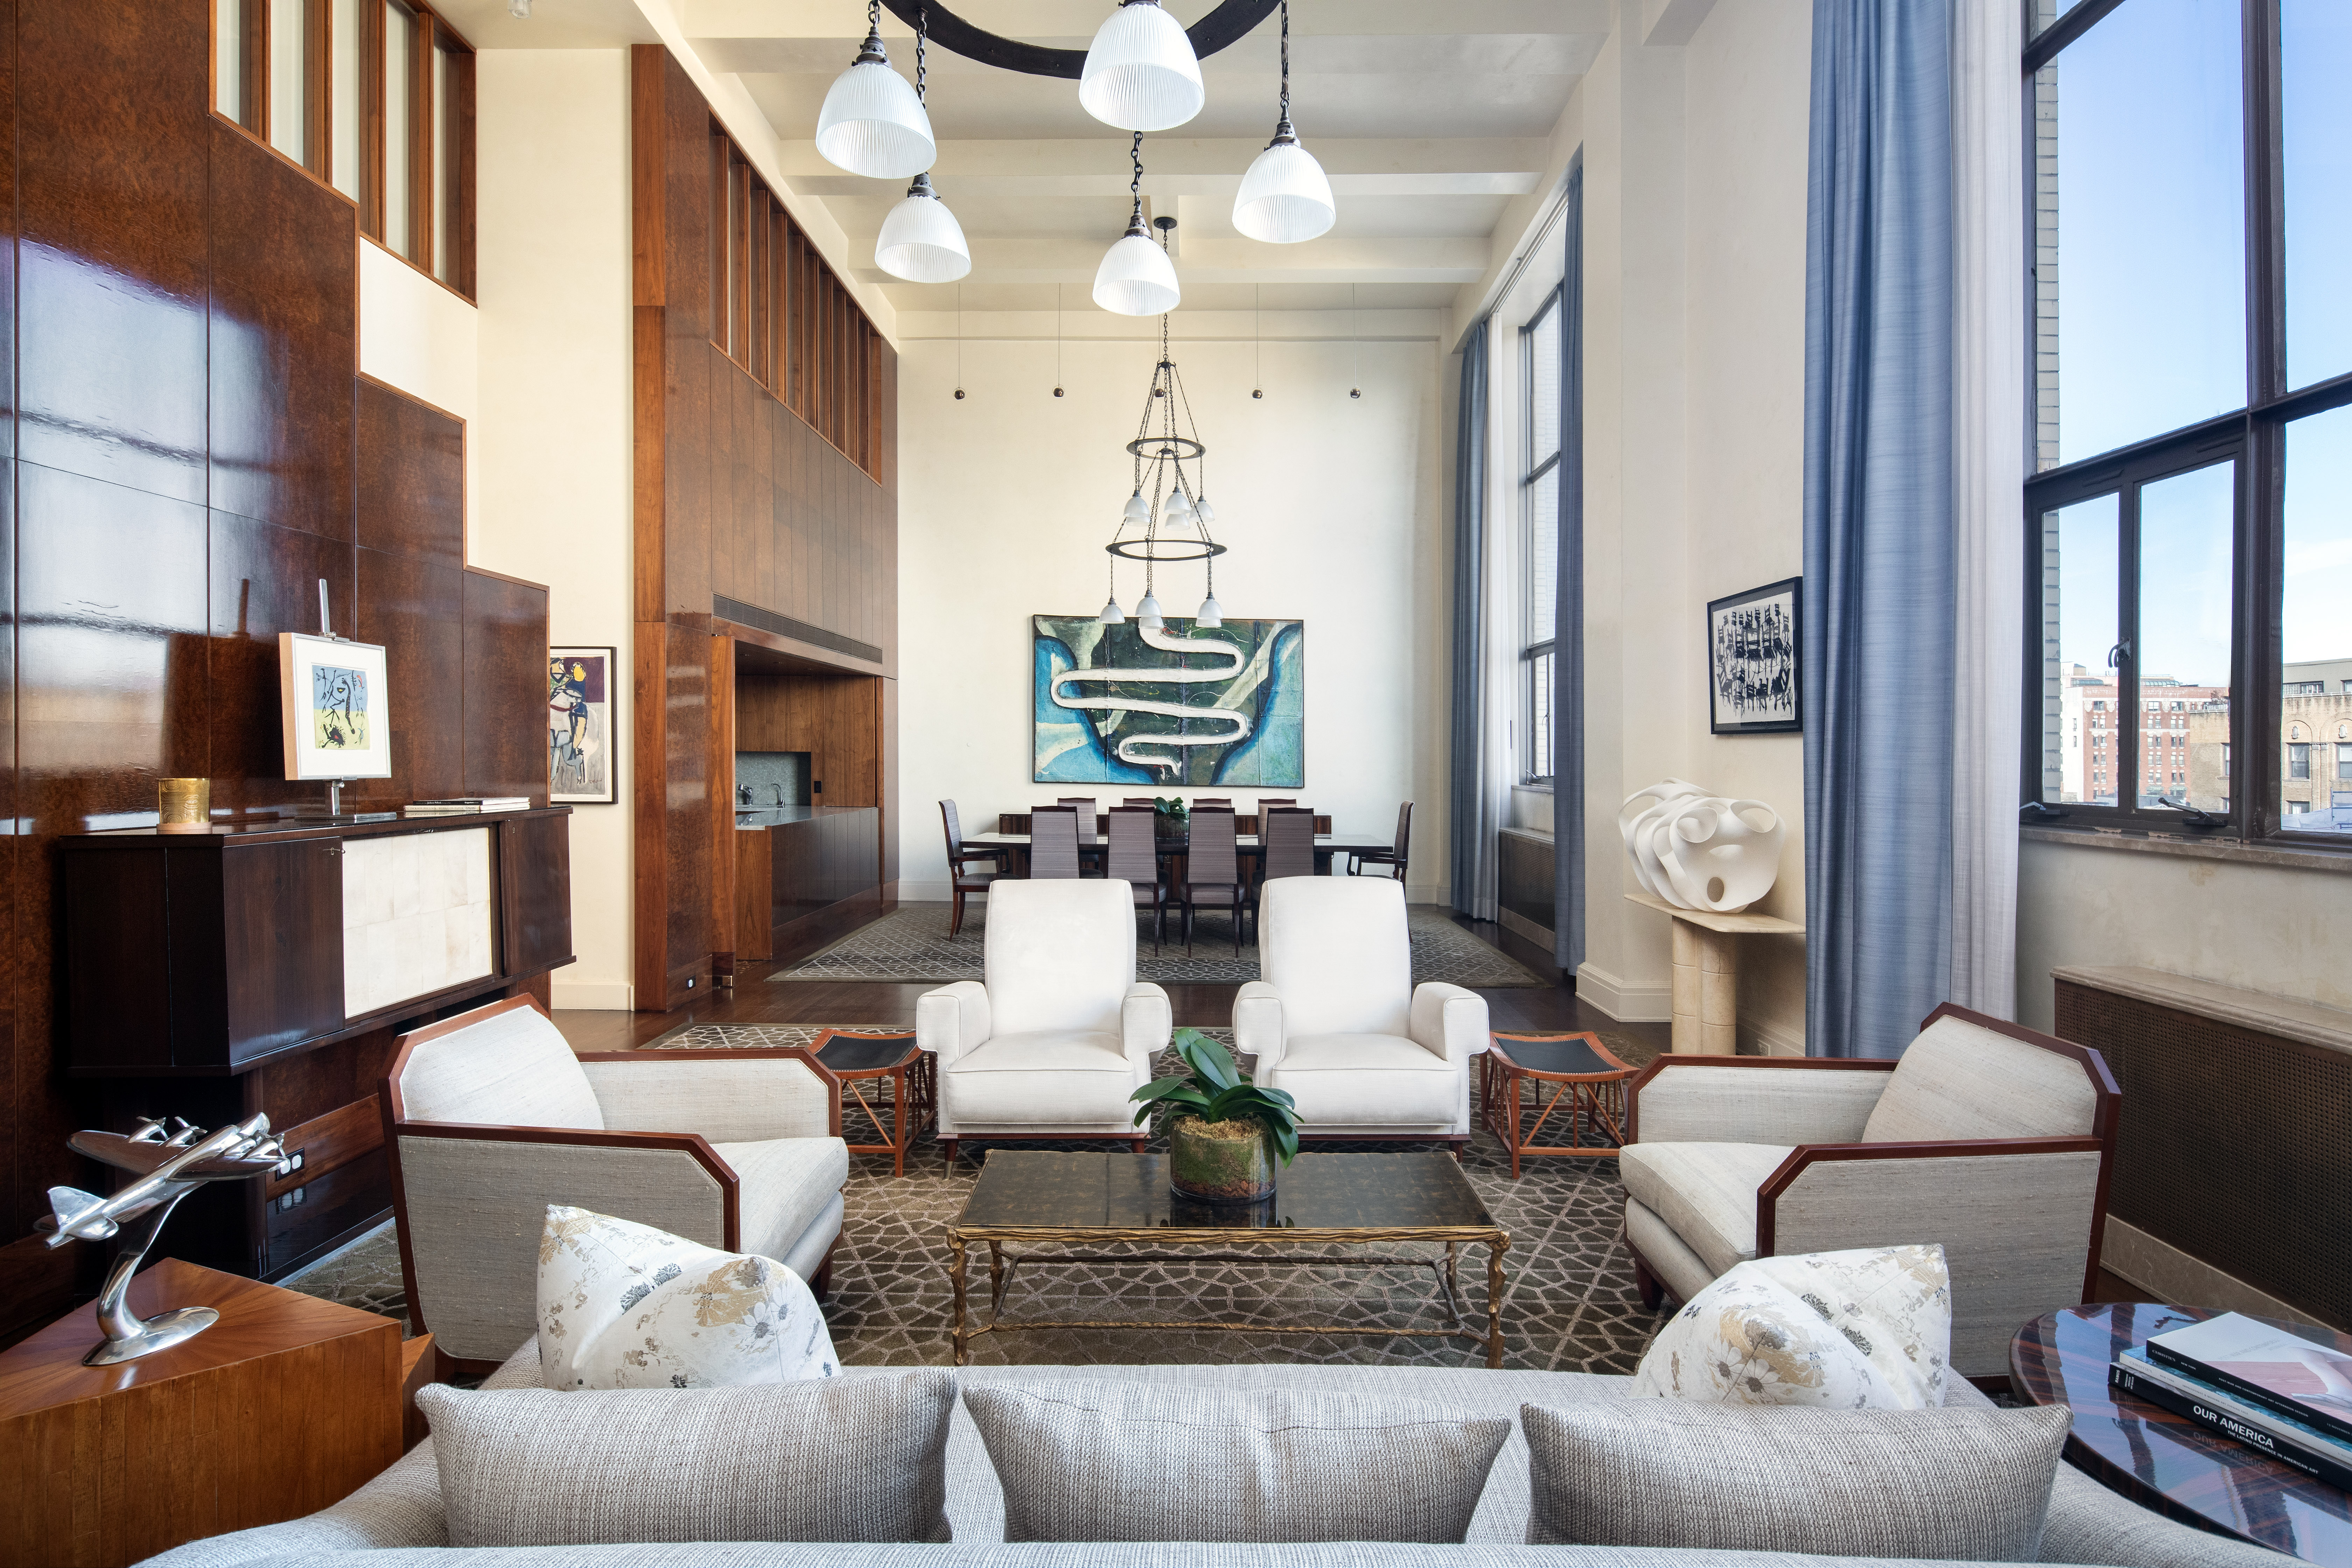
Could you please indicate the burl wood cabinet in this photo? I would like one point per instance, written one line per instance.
(267, 967)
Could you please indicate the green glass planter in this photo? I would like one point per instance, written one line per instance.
(1226, 1163)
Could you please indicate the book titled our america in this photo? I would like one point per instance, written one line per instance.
(2271, 1366)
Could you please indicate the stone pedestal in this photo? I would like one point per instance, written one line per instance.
(1706, 972)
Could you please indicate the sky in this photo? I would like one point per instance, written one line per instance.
(2152, 315)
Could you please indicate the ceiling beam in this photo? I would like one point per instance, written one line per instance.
(1071, 24)
(1085, 159)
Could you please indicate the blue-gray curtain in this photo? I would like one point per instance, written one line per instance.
(1880, 572)
(1469, 612)
(1567, 623)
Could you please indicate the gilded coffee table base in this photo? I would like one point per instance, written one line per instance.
(1001, 1271)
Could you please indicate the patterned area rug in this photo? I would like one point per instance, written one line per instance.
(911, 944)
(1570, 1301)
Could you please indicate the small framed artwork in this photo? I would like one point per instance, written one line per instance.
(580, 726)
(1752, 642)
(337, 706)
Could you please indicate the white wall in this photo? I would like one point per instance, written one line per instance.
(1330, 506)
(551, 443)
(2271, 929)
(1695, 270)
(423, 339)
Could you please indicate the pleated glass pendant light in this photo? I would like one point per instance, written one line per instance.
(873, 122)
(921, 240)
(1136, 277)
(1140, 72)
(1285, 198)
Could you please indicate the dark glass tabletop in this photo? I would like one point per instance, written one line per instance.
(2165, 1461)
(1565, 1055)
(852, 1053)
(1020, 1190)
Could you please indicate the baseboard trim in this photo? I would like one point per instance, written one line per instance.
(1627, 1004)
(592, 995)
(931, 893)
(1757, 1038)
(1519, 924)
(2181, 1279)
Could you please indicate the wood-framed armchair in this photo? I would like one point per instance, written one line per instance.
(490, 1117)
(1992, 1139)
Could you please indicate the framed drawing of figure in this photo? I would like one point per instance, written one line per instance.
(1752, 642)
(337, 710)
(580, 726)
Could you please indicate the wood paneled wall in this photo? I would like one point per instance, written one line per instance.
(738, 497)
(188, 450)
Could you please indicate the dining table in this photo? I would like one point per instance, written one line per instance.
(1174, 847)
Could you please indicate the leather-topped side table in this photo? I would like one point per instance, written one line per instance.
(2168, 1462)
(1591, 1087)
(284, 1407)
(861, 1059)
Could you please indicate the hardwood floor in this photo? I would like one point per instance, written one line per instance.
(1554, 1007)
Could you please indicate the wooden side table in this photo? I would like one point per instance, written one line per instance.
(1706, 972)
(284, 1406)
(2166, 1462)
(860, 1059)
(1590, 1080)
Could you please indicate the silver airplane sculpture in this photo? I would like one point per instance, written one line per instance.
(168, 1165)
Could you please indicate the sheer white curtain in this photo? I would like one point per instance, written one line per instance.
(1987, 477)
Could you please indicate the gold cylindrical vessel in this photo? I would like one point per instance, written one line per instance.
(184, 805)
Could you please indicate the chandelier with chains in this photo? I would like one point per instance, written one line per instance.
(1167, 518)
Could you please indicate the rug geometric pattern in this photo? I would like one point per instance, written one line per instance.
(1570, 1304)
(911, 944)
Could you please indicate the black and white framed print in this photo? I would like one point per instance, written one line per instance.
(1752, 640)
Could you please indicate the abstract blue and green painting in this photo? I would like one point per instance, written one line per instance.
(1176, 705)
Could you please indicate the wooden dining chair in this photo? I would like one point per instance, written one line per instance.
(1053, 841)
(1288, 835)
(1088, 822)
(1212, 871)
(1395, 858)
(1265, 805)
(1141, 800)
(960, 877)
(1133, 858)
(1214, 800)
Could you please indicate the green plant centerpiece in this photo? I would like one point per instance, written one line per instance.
(1224, 1133)
(1171, 817)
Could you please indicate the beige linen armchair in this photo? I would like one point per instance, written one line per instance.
(1987, 1137)
(489, 1118)
(1061, 1033)
(1339, 1024)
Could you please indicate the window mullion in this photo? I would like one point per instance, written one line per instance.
(2127, 688)
(2265, 205)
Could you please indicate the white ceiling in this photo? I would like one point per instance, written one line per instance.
(1429, 115)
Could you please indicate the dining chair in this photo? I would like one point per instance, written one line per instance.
(1214, 800)
(1087, 820)
(1141, 800)
(1133, 858)
(1265, 805)
(1288, 837)
(961, 879)
(1053, 841)
(1212, 871)
(1396, 857)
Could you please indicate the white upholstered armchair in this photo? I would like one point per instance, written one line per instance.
(1990, 1138)
(1061, 1033)
(1339, 1023)
(490, 1118)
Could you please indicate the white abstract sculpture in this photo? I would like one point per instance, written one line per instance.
(1698, 851)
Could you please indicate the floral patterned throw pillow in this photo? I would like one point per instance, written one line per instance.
(1867, 1330)
(626, 1306)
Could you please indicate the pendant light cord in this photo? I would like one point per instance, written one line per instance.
(923, 34)
(1135, 186)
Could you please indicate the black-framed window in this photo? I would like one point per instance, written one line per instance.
(2188, 526)
(1541, 475)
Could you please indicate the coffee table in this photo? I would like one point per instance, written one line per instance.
(859, 1059)
(1082, 1200)
(1591, 1080)
(2163, 1461)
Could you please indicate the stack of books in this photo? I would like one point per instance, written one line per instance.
(465, 805)
(2278, 1393)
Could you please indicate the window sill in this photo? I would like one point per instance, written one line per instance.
(2297, 859)
(1534, 787)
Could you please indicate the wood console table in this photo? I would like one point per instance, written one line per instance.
(1706, 972)
(284, 1407)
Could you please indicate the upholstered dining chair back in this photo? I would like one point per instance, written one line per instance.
(1061, 956)
(1213, 800)
(1211, 859)
(1338, 951)
(1958, 1080)
(1265, 805)
(1288, 835)
(513, 1069)
(1087, 818)
(954, 826)
(1053, 841)
(1133, 853)
(1404, 837)
(1141, 800)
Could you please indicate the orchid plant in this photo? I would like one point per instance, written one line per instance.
(1216, 1090)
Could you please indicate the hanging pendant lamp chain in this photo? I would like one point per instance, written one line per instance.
(1135, 186)
(1286, 64)
(923, 37)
